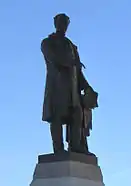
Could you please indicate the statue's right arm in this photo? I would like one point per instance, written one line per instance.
(50, 55)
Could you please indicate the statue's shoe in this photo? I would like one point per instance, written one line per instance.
(82, 151)
(76, 150)
(90, 154)
(61, 151)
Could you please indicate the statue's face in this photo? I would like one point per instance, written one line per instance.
(61, 23)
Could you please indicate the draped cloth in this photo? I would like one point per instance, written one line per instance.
(86, 124)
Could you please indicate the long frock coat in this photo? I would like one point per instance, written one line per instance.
(60, 56)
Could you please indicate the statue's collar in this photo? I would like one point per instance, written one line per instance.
(57, 34)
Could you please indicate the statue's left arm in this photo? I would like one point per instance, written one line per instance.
(83, 82)
(84, 85)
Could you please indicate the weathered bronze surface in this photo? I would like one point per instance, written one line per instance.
(63, 101)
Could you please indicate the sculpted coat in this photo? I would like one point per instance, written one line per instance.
(60, 56)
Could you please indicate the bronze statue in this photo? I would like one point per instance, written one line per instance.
(63, 101)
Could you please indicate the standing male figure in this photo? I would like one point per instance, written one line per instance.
(64, 83)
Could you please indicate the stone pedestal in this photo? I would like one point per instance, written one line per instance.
(67, 169)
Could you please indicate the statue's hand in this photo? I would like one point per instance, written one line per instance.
(88, 90)
(90, 98)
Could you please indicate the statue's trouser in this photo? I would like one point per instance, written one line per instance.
(75, 132)
(83, 141)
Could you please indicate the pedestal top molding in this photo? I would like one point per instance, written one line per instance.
(68, 156)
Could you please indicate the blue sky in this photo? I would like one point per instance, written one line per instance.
(102, 31)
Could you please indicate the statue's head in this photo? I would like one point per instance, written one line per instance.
(61, 22)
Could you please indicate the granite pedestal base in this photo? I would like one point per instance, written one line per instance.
(67, 169)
